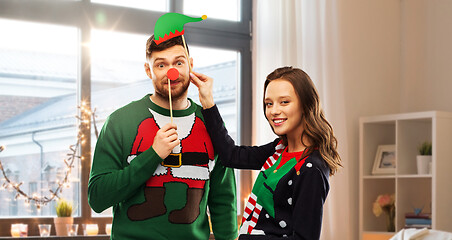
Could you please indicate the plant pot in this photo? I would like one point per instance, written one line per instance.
(61, 225)
(424, 163)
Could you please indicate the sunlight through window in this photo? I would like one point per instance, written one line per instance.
(160, 5)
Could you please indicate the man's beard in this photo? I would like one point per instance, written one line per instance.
(176, 94)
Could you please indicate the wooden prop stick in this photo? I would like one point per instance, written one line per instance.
(170, 102)
(169, 82)
(186, 53)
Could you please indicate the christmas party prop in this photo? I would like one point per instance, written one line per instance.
(168, 26)
(171, 25)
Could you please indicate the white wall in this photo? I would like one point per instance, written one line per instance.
(370, 43)
(426, 81)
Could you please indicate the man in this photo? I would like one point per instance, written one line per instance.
(161, 176)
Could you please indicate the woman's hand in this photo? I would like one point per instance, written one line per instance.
(204, 84)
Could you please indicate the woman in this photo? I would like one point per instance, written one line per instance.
(288, 195)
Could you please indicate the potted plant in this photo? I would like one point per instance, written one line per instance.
(64, 216)
(424, 159)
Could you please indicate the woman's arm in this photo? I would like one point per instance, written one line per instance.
(230, 155)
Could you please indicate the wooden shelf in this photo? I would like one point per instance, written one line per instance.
(379, 177)
(415, 176)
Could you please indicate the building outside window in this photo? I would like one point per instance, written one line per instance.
(38, 72)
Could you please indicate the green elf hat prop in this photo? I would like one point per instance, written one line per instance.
(171, 25)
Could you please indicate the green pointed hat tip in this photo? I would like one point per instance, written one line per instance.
(171, 25)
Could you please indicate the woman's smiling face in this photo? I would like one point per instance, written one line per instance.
(283, 109)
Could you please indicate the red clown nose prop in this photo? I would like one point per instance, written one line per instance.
(172, 74)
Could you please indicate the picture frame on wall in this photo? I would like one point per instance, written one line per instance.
(385, 160)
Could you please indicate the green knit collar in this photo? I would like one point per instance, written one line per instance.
(166, 112)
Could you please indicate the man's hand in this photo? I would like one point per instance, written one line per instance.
(204, 84)
(165, 140)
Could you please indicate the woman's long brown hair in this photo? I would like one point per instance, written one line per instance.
(316, 128)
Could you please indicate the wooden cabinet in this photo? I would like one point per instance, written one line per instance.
(431, 191)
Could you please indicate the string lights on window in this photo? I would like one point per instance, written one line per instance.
(85, 114)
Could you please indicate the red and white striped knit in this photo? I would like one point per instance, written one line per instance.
(252, 206)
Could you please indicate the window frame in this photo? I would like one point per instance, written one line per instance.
(82, 15)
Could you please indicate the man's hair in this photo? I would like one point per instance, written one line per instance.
(151, 46)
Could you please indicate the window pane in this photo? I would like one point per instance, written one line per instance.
(160, 5)
(38, 72)
(119, 71)
(223, 68)
(220, 9)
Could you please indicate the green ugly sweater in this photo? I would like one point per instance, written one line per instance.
(161, 199)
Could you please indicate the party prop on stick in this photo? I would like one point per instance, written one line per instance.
(168, 26)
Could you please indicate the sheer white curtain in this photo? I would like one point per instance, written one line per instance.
(305, 34)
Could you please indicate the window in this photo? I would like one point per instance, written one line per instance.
(38, 72)
(117, 70)
(43, 59)
(160, 5)
(222, 66)
(219, 9)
